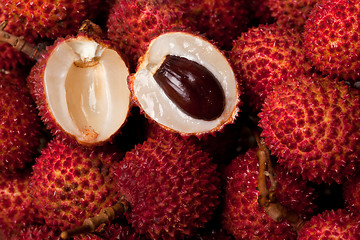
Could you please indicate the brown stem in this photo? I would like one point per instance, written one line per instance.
(91, 224)
(19, 43)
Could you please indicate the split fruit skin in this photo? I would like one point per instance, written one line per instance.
(331, 38)
(263, 57)
(243, 217)
(312, 125)
(50, 19)
(19, 123)
(16, 204)
(171, 185)
(332, 224)
(71, 183)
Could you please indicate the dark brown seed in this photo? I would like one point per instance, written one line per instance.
(192, 87)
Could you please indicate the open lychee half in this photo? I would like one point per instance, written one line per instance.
(80, 86)
(185, 84)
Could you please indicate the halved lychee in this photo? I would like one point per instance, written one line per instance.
(80, 86)
(185, 84)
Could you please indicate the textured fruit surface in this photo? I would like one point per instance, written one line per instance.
(50, 19)
(19, 124)
(220, 21)
(242, 215)
(71, 183)
(291, 12)
(263, 57)
(133, 24)
(15, 202)
(172, 187)
(331, 224)
(351, 193)
(37, 232)
(331, 38)
(312, 125)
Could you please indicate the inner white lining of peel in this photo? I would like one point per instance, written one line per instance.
(153, 99)
(90, 103)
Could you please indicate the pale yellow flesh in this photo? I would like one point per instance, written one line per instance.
(86, 88)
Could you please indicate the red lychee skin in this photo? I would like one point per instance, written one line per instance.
(293, 13)
(331, 224)
(263, 57)
(50, 19)
(220, 21)
(172, 186)
(19, 124)
(37, 232)
(259, 12)
(312, 125)
(35, 82)
(16, 203)
(133, 24)
(242, 216)
(331, 38)
(71, 183)
(351, 194)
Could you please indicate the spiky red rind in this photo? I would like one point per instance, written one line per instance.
(19, 125)
(133, 24)
(263, 57)
(71, 183)
(172, 187)
(49, 19)
(351, 194)
(242, 216)
(16, 203)
(332, 224)
(37, 232)
(292, 13)
(331, 38)
(312, 125)
(221, 21)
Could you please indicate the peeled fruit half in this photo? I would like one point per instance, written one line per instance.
(80, 86)
(185, 84)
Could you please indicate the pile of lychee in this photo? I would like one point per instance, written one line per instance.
(179, 119)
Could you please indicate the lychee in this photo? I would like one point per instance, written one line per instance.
(185, 84)
(36, 232)
(331, 224)
(312, 125)
(80, 87)
(50, 19)
(172, 187)
(351, 194)
(71, 183)
(331, 38)
(19, 124)
(265, 56)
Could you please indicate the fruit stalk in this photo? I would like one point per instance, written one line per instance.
(106, 215)
(19, 43)
(267, 198)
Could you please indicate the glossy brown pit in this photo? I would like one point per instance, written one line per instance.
(192, 87)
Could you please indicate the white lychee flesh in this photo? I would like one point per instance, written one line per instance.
(156, 104)
(86, 89)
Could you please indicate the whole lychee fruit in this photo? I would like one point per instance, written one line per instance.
(71, 183)
(331, 38)
(312, 125)
(265, 56)
(172, 186)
